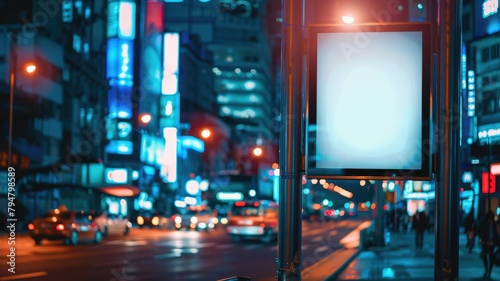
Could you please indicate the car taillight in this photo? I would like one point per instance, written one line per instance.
(93, 224)
(60, 227)
(31, 226)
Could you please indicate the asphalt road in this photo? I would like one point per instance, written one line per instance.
(150, 254)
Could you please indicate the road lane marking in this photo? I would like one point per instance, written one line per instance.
(275, 248)
(166, 256)
(23, 276)
(322, 248)
(183, 244)
(128, 243)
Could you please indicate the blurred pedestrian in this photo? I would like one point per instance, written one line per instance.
(419, 224)
(489, 235)
(470, 228)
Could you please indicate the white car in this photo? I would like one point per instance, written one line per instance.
(194, 218)
(112, 224)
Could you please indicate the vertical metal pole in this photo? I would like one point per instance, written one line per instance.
(489, 176)
(379, 219)
(290, 205)
(13, 67)
(447, 194)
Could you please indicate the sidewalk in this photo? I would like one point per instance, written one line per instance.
(400, 261)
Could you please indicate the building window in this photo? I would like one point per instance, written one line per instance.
(51, 147)
(88, 12)
(466, 23)
(77, 43)
(495, 51)
(485, 54)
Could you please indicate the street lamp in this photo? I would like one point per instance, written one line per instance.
(29, 68)
(206, 133)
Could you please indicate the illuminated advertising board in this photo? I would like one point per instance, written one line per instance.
(170, 63)
(116, 175)
(121, 19)
(369, 101)
(119, 71)
(486, 17)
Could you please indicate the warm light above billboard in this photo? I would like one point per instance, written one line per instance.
(369, 101)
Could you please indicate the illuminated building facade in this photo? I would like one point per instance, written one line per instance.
(238, 99)
(483, 100)
(58, 110)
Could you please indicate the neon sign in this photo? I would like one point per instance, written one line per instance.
(490, 7)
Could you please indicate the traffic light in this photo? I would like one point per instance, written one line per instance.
(488, 183)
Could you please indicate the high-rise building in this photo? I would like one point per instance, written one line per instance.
(57, 111)
(238, 35)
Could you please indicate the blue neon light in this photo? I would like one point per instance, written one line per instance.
(119, 59)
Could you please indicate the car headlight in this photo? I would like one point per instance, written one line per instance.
(215, 220)
(194, 220)
(178, 220)
(140, 220)
(155, 221)
(223, 221)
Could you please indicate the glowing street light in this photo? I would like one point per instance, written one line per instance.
(30, 69)
(257, 151)
(347, 19)
(205, 133)
(146, 118)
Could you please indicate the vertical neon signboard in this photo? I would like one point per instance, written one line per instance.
(119, 71)
(170, 64)
(169, 102)
(169, 165)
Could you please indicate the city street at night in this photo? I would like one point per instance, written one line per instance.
(151, 254)
(249, 140)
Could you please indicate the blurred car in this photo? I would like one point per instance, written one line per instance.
(334, 214)
(220, 217)
(111, 223)
(61, 224)
(195, 218)
(253, 220)
(153, 219)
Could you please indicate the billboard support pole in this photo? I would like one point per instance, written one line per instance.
(290, 153)
(448, 118)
